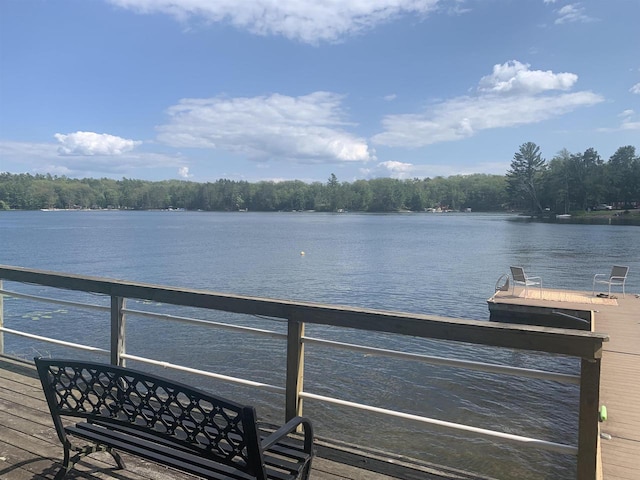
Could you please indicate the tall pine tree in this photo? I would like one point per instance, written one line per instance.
(525, 175)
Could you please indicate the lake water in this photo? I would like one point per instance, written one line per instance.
(442, 264)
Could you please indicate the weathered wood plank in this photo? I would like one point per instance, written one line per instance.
(620, 389)
(295, 369)
(588, 427)
(16, 464)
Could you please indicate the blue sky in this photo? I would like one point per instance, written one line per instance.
(291, 89)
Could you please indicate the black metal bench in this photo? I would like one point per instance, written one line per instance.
(167, 422)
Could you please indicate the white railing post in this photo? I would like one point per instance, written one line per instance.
(295, 368)
(117, 331)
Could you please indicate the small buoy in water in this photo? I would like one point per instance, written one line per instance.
(603, 413)
(301, 253)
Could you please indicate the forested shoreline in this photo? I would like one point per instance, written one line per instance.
(568, 182)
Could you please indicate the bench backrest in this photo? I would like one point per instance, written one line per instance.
(208, 426)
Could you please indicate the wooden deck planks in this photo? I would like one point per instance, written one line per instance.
(620, 389)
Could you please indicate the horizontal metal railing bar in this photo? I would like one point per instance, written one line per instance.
(577, 343)
(572, 317)
(67, 303)
(451, 362)
(77, 346)
(206, 323)
(527, 441)
(226, 378)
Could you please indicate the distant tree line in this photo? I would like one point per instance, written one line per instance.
(567, 182)
(32, 192)
(573, 181)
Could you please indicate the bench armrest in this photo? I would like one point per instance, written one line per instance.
(288, 428)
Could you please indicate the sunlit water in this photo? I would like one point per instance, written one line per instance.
(427, 263)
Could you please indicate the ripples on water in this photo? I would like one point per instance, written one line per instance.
(426, 263)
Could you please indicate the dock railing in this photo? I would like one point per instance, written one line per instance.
(587, 346)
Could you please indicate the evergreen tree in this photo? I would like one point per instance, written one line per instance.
(621, 174)
(524, 178)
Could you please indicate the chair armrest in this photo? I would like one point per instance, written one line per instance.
(288, 428)
(595, 277)
(618, 279)
(534, 278)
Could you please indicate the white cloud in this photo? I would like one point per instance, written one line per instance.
(307, 129)
(513, 95)
(184, 172)
(630, 125)
(573, 12)
(635, 89)
(630, 121)
(23, 150)
(456, 7)
(515, 77)
(397, 169)
(403, 170)
(90, 143)
(310, 21)
(45, 158)
(391, 97)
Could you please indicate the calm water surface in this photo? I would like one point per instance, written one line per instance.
(427, 263)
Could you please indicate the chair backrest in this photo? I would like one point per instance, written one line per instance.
(518, 274)
(619, 271)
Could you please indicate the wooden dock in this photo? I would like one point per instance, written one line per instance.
(30, 449)
(620, 371)
(620, 388)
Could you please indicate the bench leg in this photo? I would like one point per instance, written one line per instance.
(116, 456)
(65, 465)
(69, 462)
(306, 470)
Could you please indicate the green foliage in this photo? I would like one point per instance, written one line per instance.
(623, 174)
(479, 192)
(526, 174)
(575, 182)
(568, 182)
